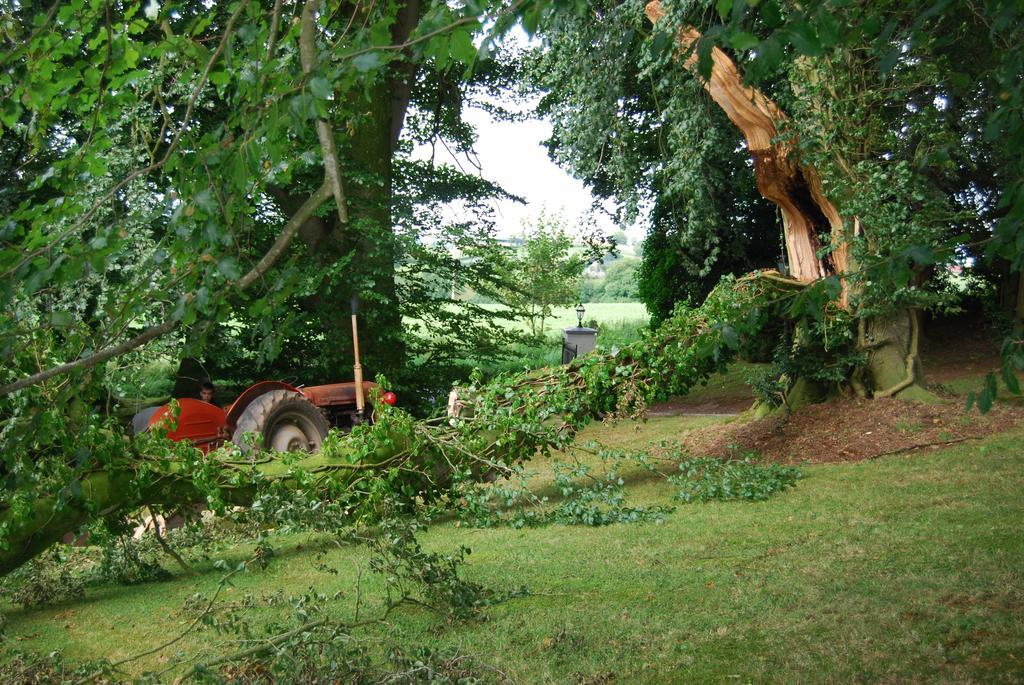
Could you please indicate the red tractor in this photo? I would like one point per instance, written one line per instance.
(286, 418)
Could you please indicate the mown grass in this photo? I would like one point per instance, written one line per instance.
(902, 569)
(548, 350)
(603, 313)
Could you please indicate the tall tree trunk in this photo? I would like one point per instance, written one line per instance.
(894, 367)
(367, 240)
(370, 233)
(809, 219)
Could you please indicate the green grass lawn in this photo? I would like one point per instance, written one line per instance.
(605, 313)
(902, 569)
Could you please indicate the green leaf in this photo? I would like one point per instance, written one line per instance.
(887, 62)
(60, 319)
(741, 40)
(9, 112)
(303, 106)
(805, 40)
(984, 401)
(462, 48)
(828, 27)
(320, 87)
(367, 61)
(228, 267)
(247, 32)
(871, 26)
(724, 7)
(833, 287)
(660, 42)
(131, 55)
(730, 337)
(771, 14)
(921, 254)
(42, 178)
(219, 78)
(206, 201)
(704, 61)
(531, 19)
(201, 24)
(769, 54)
(1012, 384)
(991, 386)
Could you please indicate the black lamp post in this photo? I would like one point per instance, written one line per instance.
(580, 311)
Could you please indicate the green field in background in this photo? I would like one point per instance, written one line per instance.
(603, 312)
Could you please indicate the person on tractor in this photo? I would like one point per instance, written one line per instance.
(206, 393)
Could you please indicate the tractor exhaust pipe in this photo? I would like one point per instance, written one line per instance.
(357, 368)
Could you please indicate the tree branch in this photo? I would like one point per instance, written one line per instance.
(430, 34)
(307, 54)
(151, 333)
(252, 652)
(168, 550)
(154, 332)
(204, 77)
(287, 233)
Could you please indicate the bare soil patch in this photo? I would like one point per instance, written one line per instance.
(848, 429)
(961, 349)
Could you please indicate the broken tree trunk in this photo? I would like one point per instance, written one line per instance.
(810, 220)
(807, 214)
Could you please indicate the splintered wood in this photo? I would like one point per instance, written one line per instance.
(795, 188)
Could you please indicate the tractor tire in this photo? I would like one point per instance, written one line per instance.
(286, 422)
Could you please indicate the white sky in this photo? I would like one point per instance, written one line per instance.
(511, 155)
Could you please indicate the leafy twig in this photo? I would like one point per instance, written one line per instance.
(166, 547)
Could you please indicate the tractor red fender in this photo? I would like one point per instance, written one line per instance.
(200, 422)
(251, 393)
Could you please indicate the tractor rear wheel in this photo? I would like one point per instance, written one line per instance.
(286, 422)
